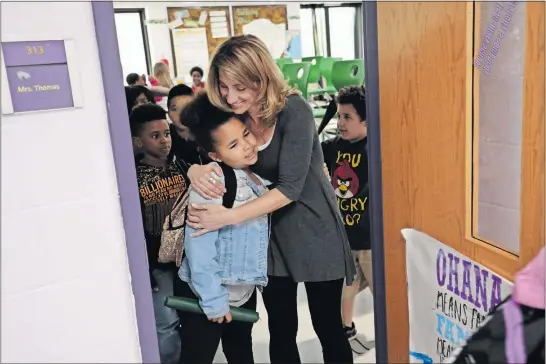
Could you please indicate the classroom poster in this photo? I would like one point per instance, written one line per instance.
(293, 44)
(449, 297)
(273, 35)
(190, 49)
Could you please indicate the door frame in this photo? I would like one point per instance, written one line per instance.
(118, 120)
(124, 162)
(425, 176)
(371, 65)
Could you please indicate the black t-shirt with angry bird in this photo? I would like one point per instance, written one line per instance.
(347, 164)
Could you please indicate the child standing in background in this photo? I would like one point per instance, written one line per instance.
(183, 145)
(196, 74)
(347, 163)
(161, 77)
(137, 95)
(163, 188)
(133, 79)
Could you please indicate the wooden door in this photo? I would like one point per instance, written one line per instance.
(434, 109)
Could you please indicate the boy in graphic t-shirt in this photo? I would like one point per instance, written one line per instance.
(163, 188)
(346, 159)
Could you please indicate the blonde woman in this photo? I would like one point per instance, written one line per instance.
(161, 77)
(308, 241)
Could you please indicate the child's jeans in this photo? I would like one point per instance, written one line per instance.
(200, 337)
(166, 319)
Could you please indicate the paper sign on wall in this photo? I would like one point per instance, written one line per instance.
(219, 24)
(191, 49)
(176, 23)
(183, 14)
(38, 75)
(203, 18)
(273, 35)
(217, 13)
(449, 297)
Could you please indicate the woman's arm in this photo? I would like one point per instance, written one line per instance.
(159, 90)
(265, 204)
(294, 163)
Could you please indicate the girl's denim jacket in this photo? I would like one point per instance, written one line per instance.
(233, 255)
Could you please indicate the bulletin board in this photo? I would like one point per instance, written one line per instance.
(243, 15)
(192, 18)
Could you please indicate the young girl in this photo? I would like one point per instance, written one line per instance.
(197, 74)
(161, 77)
(223, 267)
(308, 239)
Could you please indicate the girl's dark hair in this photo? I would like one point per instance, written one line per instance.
(197, 69)
(133, 92)
(356, 96)
(203, 118)
(178, 90)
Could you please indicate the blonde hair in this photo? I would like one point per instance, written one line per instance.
(163, 75)
(246, 60)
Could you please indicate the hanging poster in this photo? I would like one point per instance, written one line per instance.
(449, 296)
(190, 49)
(269, 23)
(219, 24)
(215, 20)
(293, 44)
(243, 15)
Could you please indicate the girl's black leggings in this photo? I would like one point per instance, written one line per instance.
(200, 337)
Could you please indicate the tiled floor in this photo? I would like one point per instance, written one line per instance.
(308, 343)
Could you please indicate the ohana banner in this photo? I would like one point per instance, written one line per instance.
(449, 297)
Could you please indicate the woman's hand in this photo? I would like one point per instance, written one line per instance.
(203, 181)
(205, 218)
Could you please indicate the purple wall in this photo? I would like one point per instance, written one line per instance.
(118, 120)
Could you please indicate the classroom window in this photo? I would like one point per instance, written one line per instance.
(307, 33)
(498, 122)
(332, 31)
(132, 42)
(342, 21)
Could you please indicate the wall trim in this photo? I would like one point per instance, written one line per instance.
(371, 64)
(118, 121)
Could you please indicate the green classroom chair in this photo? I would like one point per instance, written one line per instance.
(314, 72)
(348, 73)
(282, 61)
(318, 113)
(321, 68)
(325, 67)
(297, 74)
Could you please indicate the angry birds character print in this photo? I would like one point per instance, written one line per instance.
(345, 181)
